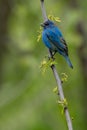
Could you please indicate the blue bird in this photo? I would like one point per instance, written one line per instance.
(53, 39)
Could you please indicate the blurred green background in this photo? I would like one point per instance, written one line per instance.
(27, 101)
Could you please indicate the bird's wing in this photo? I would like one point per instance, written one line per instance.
(64, 42)
(57, 39)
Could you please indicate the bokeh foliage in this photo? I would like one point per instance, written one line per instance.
(27, 101)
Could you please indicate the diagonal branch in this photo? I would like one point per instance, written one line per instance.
(59, 84)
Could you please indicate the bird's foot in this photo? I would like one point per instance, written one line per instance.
(52, 57)
(53, 54)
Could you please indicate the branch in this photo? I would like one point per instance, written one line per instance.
(59, 84)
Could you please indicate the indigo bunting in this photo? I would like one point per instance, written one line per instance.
(53, 39)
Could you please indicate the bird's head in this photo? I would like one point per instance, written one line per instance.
(47, 24)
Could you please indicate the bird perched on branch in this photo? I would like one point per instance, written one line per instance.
(53, 39)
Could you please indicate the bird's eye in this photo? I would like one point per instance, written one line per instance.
(46, 24)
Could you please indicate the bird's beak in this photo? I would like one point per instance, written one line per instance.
(42, 24)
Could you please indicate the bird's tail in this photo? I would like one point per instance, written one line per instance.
(69, 62)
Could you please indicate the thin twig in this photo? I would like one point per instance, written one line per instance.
(59, 84)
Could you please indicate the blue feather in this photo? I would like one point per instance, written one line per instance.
(53, 39)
